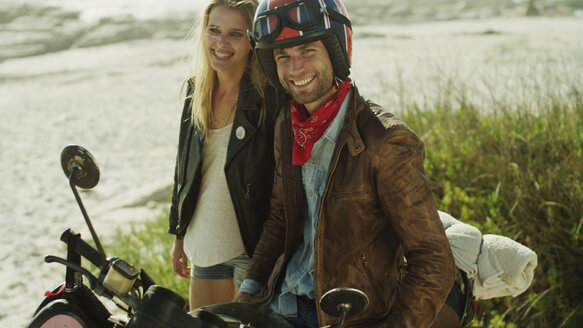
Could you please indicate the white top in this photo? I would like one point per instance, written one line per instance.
(213, 236)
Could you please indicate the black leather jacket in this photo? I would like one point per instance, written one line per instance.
(248, 168)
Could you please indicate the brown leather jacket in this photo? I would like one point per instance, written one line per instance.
(377, 208)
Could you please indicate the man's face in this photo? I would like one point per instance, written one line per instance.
(306, 72)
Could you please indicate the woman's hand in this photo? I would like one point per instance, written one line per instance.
(179, 258)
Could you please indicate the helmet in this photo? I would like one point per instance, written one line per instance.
(288, 23)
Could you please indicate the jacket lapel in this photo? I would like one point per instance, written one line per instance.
(246, 119)
(194, 154)
(294, 196)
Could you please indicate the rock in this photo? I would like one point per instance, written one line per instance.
(106, 34)
(171, 29)
(532, 10)
(35, 30)
(400, 10)
(30, 36)
(60, 13)
(426, 12)
(33, 23)
(20, 50)
(16, 44)
(8, 12)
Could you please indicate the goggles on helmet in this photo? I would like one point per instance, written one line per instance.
(298, 15)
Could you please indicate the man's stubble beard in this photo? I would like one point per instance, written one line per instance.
(324, 85)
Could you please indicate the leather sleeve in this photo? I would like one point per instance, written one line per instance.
(272, 240)
(173, 215)
(184, 122)
(406, 198)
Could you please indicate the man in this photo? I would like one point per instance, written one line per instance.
(350, 197)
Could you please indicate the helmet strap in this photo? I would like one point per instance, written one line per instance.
(337, 81)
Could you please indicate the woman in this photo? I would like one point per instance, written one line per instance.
(224, 166)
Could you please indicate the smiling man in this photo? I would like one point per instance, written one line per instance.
(350, 197)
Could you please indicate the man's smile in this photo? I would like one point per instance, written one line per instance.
(304, 81)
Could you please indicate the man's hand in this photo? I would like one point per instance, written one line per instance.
(244, 297)
(179, 259)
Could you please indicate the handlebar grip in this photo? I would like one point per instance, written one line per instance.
(80, 246)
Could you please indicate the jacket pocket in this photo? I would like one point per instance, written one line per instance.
(376, 286)
(258, 186)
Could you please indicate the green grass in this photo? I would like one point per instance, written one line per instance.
(511, 170)
(148, 245)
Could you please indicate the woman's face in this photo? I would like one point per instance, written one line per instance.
(226, 39)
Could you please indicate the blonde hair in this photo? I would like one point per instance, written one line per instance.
(203, 78)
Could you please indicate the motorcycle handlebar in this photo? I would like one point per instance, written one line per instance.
(146, 279)
(92, 279)
(74, 240)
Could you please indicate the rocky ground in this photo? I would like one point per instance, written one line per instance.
(27, 30)
(32, 30)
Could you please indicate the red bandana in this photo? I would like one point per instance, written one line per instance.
(308, 129)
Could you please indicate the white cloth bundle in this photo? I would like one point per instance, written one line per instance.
(465, 241)
(505, 268)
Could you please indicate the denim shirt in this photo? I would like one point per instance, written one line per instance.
(299, 277)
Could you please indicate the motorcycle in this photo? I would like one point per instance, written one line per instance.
(76, 304)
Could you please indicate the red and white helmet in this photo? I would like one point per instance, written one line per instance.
(288, 23)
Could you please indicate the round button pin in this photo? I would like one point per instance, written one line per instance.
(240, 133)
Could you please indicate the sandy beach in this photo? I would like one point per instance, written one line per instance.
(121, 101)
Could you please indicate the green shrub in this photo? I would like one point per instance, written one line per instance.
(517, 172)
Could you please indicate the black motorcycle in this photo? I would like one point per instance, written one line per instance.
(75, 303)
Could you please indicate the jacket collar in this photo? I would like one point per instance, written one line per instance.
(249, 99)
(350, 134)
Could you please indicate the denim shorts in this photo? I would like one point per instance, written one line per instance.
(235, 269)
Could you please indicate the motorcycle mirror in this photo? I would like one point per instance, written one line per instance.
(343, 303)
(82, 170)
(80, 166)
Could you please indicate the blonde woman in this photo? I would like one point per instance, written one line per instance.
(224, 166)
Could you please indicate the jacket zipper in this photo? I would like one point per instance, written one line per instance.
(248, 193)
(285, 131)
(367, 267)
(317, 284)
